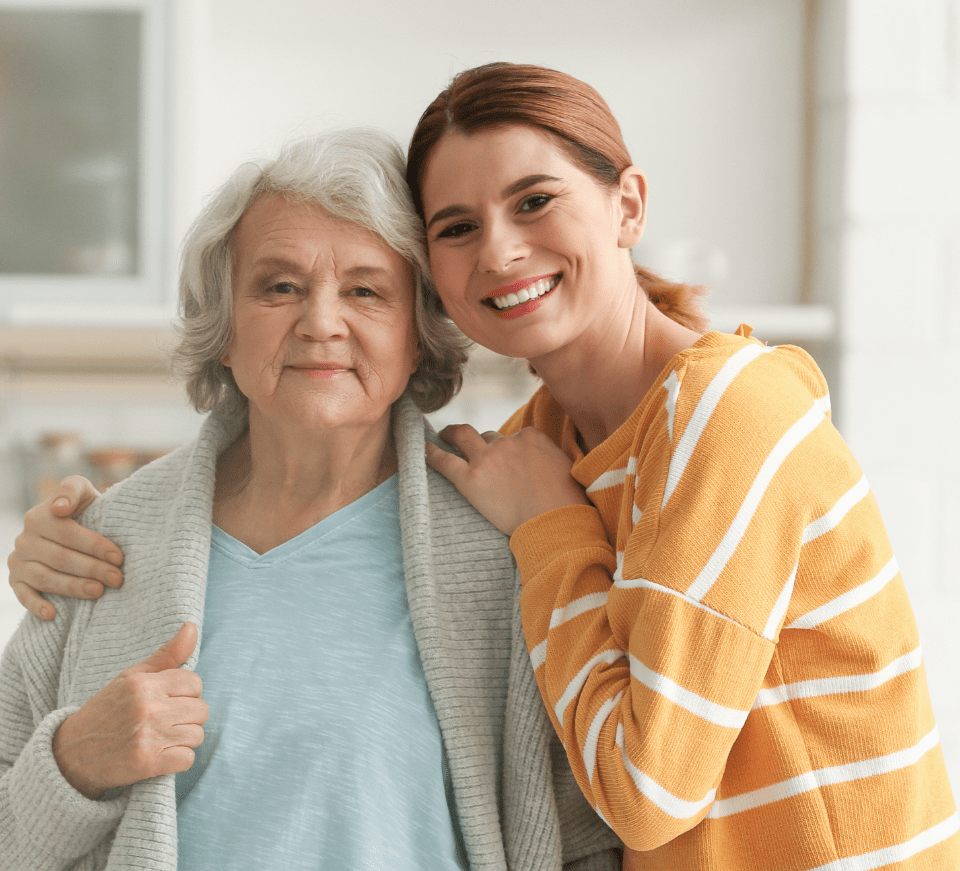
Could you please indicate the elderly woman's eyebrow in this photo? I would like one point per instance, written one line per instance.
(359, 273)
(510, 190)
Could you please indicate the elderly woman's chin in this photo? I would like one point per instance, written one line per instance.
(327, 404)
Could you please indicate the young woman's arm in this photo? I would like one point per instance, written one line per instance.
(654, 616)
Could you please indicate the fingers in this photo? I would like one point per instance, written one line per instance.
(34, 602)
(51, 568)
(449, 465)
(171, 655)
(463, 437)
(72, 496)
(41, 525)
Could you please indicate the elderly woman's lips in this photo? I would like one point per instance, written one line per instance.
(321, 370)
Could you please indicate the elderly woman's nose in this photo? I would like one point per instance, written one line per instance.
(500, 245)
(321, 316)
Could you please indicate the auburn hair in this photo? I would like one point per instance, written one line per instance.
(571, 113)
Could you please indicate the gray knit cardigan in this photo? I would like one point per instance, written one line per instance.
(519, 806)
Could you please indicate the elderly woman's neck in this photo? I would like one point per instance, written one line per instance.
(272, 486)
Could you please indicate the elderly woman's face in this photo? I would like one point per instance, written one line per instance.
(323, 326)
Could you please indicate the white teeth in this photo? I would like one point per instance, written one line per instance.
(531, 291)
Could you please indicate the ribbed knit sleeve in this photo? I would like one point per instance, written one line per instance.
(722, 638)
(44, 822)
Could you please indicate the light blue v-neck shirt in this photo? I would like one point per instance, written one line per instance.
(322, 750)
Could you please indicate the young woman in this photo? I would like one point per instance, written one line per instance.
(718, 625)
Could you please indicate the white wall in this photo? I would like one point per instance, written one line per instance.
(708, 94)
(888, 224)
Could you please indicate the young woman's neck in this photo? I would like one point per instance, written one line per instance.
(600, 379)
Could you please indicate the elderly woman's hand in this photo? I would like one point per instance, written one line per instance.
(144, 723)
(508, 479)
(54, 554)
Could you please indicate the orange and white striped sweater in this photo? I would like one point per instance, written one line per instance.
(723, 639)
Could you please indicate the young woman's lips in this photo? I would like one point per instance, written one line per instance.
(522, 297)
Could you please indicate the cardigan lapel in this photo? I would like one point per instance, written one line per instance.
(458, 570)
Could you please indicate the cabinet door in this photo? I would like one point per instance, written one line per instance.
(81, 157)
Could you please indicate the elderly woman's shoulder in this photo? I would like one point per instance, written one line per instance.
(182, 477)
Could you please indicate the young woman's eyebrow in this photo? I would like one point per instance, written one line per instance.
(510, 190)
(527, 181)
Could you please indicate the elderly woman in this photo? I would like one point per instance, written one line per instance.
(362, 664)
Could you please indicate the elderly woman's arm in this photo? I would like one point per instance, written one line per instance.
(57, 763)
(55, 554)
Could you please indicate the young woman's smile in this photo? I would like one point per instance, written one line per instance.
(528, 251)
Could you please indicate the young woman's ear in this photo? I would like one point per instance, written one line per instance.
(632, 194)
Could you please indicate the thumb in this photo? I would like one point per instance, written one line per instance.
(173, 654)
(72, 497)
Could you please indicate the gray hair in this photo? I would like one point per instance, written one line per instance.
(355, 174)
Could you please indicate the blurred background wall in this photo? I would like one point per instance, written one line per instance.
(800, 155)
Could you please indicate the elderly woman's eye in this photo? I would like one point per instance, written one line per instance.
(363, 291)
(283, 288)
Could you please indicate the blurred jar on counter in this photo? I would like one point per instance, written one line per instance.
(110, 465)
(57, 455)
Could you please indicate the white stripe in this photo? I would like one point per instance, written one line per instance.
(825, 777)
(637, 514)
(670, 804)
(850, 599)
(829, 686)
(672, 386)
(538, 656)
(832, 518)
(640, 583)
(718, 560)
(697, 705)
(614, 477)
(701, 414)
(593, 733)
(780, 607)
(577, 607)
(899, 852)
(576, 685)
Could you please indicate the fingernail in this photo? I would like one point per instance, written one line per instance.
(92, 590)
(115, 578)
(114, 557)
(46, 613)
(62, 502)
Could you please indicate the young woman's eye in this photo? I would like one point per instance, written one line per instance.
(534, 202)
(455, 230)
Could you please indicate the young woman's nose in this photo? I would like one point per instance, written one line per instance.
(321, 317)
(500, 245)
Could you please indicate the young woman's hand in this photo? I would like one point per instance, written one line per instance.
(508, 479)
(54, 554)
(144, 723)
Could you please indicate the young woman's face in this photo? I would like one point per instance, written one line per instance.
(529, 252)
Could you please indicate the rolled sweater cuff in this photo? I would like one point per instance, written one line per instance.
(51, 816)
